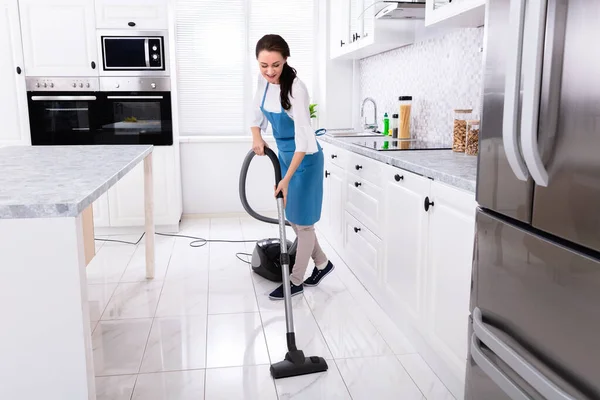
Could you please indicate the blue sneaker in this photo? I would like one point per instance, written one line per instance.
(318, 275)
(277, 294)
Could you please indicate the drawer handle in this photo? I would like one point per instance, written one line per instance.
(357, 184)
(428, 203)
(358, 167)
(398, 178)
(327, 173)
(132, 24)
(356, 230)
(334, 156)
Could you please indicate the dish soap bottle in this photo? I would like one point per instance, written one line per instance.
(386, 125)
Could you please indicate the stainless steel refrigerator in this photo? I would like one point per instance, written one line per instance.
(534, 329)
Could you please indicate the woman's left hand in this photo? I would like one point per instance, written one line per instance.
(282, 187)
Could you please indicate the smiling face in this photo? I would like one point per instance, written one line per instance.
(271, 65)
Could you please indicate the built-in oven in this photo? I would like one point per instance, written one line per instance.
(119, 110)
(63, 110)
(136, 110)
(133, 53)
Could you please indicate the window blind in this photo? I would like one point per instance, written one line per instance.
(216, 64)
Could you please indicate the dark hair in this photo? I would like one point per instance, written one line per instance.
(278, 44)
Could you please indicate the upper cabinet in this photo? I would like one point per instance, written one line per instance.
(363, 28)
(13, 101)
(455, 14)
(59, 37)
(131, 14)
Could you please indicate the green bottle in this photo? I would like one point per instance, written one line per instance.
(386, 124)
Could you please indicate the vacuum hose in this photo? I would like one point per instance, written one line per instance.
(242, 186)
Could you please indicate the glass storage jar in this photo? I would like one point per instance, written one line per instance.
(472, 141)
(404, 106)
(459, 129)
(395, 125)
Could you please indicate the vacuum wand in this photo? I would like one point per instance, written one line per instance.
(295, 363)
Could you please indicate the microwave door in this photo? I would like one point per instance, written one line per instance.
(566, 205)
(120, 53)
(499, 187)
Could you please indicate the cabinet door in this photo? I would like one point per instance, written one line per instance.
(131, 14)
(339, 25)
(356, 7)
(336, 203)
(126, 198)
(405, 236)
(368, 18)
(323, 223)
(449, 265)
(59, 37)
(13, 96)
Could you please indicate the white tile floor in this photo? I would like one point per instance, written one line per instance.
(204, 328)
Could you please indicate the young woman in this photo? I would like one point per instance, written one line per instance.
(282, 100)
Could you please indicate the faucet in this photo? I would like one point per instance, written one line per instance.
(372, 126)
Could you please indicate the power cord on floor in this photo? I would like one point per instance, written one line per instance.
(197, 242)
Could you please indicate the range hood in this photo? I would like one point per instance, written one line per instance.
(402, 10)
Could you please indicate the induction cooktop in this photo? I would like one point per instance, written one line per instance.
(391, 144)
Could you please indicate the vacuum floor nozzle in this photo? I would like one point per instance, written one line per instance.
(296, 364)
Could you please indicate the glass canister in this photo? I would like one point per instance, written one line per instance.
(404, 106)
(459, 129)
(472, 141)
(395, 125)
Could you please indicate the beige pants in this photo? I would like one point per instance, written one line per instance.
(308, 247)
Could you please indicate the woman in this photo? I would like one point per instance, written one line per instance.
(282, 100)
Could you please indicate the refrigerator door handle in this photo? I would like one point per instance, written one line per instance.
(510, 122)
(525, 370)
(503, 381)
(532, 68)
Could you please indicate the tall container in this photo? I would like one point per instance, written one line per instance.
(459, 129)
(404, 105)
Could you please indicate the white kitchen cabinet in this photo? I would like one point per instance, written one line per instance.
(126, 198)
(333, 199)
(405, 238)
(13, 96)
(339, 26)
(363, 201)
(362, 250)
(132, 14)
(59, 37)
(455, 14)
(448, 271)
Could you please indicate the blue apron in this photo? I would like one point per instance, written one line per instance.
(305, 192)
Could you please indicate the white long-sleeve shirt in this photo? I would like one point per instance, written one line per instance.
(304, 135)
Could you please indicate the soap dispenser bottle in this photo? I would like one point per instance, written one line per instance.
(386, 125)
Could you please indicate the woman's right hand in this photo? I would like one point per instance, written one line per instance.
(259, 147)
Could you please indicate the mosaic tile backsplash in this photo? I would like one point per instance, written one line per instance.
(440, 74)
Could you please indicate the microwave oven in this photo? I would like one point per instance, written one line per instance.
(133, 53)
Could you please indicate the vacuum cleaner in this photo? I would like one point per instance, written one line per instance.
(268, 262)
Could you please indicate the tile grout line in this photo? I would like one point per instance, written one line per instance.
(207, 305)
(262, 325)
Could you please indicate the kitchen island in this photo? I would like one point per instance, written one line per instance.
(45, 340)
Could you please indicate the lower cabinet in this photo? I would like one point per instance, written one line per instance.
(448, 270)
(409, 240)
(123, 204)
(405, 236)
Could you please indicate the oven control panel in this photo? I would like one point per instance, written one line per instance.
(54, 84)
(135, 84)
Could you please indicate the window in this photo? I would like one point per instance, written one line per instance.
(216, 65)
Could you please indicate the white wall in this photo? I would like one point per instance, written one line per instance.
(210, 171)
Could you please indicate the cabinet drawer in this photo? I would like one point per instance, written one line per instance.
(363, 201)
(335, 155)
(362, 247)
(365, 168)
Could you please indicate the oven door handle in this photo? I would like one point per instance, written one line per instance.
(134, 97)
(63, 98)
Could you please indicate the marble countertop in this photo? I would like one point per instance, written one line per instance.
(455, 169)
(60, 181)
